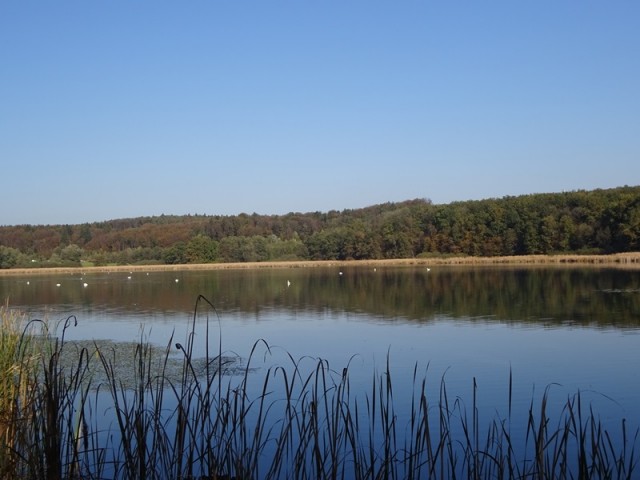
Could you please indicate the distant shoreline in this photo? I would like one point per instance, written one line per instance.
(619, 260)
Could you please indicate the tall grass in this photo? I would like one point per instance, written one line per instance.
(300, 420)
(10, 387)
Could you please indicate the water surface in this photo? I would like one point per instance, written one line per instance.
(567, 329)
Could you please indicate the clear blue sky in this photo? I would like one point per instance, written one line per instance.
(112, 109)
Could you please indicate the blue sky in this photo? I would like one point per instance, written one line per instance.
(122, 109)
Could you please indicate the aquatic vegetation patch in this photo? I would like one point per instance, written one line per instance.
(166, 361)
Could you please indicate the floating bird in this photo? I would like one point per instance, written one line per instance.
(340, 273)
(27, 282)
(428, 269)
(57, 284)
(129, 278)
(288, 283)
(177, 280)
(85, 285)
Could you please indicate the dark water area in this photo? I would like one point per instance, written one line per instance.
(565, 330)
(600, 298)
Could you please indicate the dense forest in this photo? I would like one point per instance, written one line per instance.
(596, 221)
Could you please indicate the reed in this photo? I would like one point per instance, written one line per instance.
(297, 420)
(11, 387)
(629, 260)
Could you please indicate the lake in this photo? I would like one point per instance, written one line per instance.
(560, 329)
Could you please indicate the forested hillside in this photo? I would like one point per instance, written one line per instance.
(598, 221)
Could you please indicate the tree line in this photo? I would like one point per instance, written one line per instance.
(595, 221)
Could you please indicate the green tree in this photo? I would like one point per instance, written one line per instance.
(100, 259)
(230, 249)
(399, 234)
(549, 233)
(201, 249)
(66, 232)
(293, 249)
(176, 254)
(326, 245)
(71, 254)
(623, 220)
(85, 233)
(260, 247)
(8, 257)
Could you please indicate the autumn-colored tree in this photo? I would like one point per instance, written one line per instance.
(581, 221)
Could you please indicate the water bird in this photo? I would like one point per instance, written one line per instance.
(129, 278)
(177, 280)
(57, 284)
(27, 282)
(339, 273)
(85, 284)
(288, 283)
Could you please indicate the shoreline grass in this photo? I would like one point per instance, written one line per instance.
(618, 260)
(300, 420)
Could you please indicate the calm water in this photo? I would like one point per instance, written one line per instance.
(574, 329)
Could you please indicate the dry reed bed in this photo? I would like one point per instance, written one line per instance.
(619, 260)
